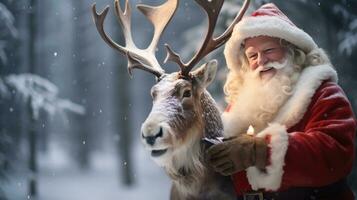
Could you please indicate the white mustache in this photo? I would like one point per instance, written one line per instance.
(274, 64)
(269, 65)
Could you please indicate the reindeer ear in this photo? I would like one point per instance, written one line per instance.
(205, 74)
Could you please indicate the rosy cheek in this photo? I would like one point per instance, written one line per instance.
(253, 65)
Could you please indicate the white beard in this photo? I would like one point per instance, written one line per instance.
(258, 101)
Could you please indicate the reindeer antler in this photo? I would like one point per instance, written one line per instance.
(212, 9)
(138, 58)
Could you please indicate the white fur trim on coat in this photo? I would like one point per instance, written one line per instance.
(268, 26)
(310, 80)
(271, 178)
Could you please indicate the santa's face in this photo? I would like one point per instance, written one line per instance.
(262, 50)
(261, 93)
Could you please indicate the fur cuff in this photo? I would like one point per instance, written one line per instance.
(271, 179)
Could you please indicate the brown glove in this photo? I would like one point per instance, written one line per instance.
(237, 154)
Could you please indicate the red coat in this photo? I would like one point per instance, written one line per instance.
(311, 140)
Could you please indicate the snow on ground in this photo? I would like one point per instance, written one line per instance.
(59, 181)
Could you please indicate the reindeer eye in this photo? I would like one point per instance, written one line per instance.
(186, 93)
(153, 94)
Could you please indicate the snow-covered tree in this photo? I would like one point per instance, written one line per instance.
(41, 93)
(26, 88)
(348, 32)
(8, 31)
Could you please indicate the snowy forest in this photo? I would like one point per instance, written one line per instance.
(70, 114)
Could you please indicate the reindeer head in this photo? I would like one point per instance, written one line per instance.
(175, 120)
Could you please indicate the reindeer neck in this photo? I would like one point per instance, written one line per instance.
(187, 169)
(211, 116)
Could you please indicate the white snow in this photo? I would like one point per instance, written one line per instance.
(60, 180)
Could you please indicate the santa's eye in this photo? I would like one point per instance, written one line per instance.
(253, 56)
(270, 50)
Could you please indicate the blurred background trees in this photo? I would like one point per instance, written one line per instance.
(52, 61)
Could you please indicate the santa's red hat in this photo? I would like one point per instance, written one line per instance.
(268, 20)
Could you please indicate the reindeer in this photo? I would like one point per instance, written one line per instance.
(183, 111)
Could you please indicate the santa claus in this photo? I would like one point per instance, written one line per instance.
(282, 85)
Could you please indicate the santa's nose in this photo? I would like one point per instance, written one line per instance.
(262, 59)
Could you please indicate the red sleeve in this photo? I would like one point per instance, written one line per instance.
(321, 147)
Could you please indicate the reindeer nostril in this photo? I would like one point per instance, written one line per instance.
(160, 134)
(150, 140)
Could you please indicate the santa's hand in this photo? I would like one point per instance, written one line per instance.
(237, 154)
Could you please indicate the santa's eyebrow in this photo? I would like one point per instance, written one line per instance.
(249, 53)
